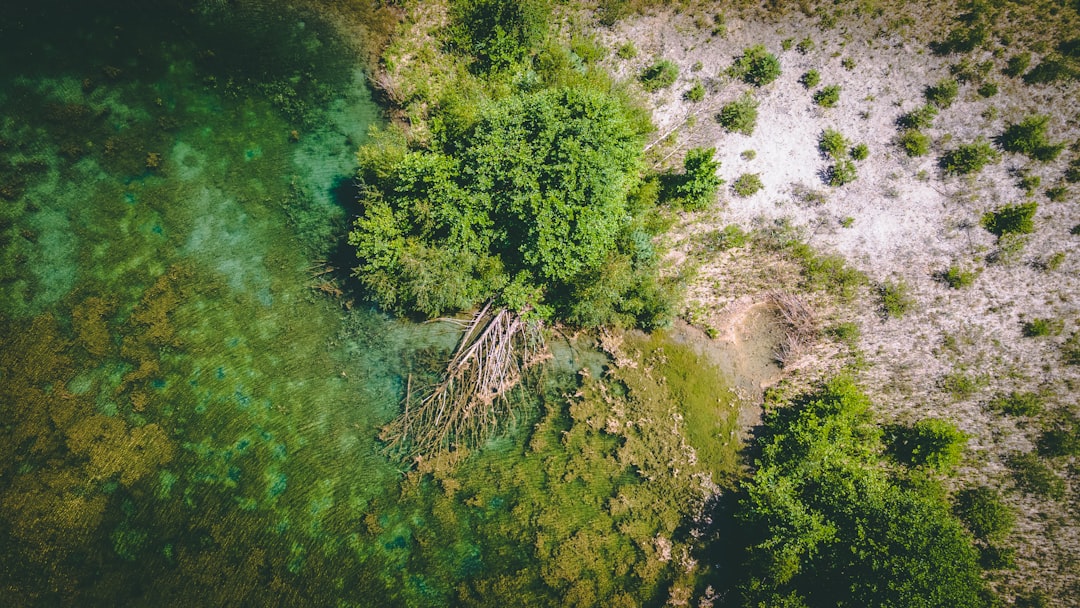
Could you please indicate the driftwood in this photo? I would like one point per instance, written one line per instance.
(470, 400)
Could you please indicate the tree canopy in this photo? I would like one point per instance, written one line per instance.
(529, 201)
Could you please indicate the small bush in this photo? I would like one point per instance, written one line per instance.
(731, 237)
(1057, 194)
(1011, 219)
(810, 79)
(896, 301)
(988, 89)
(1039, 327)
(847, 332)
(832, 144)
(942, 94)
(1062, 438)
(983, 512)
(787, 43)
(860, 152)
(1030, 183)
(969, 158)
(739, 116)
(696, 93)
(957, 277)
(756, 66)
(1072, 172)
(748, 155)
(828, 96)
(627, 51)
(919, 118)
(1018, 403)
(1018, 64)
(700, 183)
(962, 385)
(805, 45)
(914, 142)
(747, 184)
(841, 173)
(1032, 476)
(848, 63)
(1029, 138)
(931, 442)
(1050, 70)
(659, 75)
(1070, 350)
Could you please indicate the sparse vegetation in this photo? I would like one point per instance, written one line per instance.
(810, 79)
(1018, 403)
(627, 50)
(739, 116)
(696, 93)
(896, 300)
(1033, 476)
(983, 512)
(957, 277)
(805, 45)
(1040, 327)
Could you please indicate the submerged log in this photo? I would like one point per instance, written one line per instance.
(470, 399)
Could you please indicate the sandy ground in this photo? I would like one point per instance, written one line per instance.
(907, 222)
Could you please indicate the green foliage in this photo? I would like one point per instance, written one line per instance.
(931, 442)
(659, 75)
(1030, 183)
(1052, 69)
(810, 79)
(860, 152)
(957, 277)
(1018, 403)
(1017, 64)
(1070, 350)
(828, 96)
(1029, 138)
(747, 184)
(914, 142)
(739, 116)
(848, 63)
(895, 298)
(1011, 219)
(1061, 437)
(983, 512)
(805, 45)
(696, 93)
(699, 184)
(538, 185)
(824, 271)
(961, 384)
(830, 527)
(499, 34)
(787, 43)
(627, 51)
(1040, 327)
(943, 93)
(833, 144)
(841, 173)
(1033, 476)
(987, 89)
(587, 48)
(748, 155)
(969, 158)
(919, 118)
(847, 332)
(731, 237)
(756, 66)
(1057, 194)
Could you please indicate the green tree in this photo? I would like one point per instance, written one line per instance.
(499, 33)
(756, 66)
(1029, 138)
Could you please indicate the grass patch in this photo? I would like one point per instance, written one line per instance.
(860, 152)
(957, 277)
(841, 173)
(756, 66)
(833, 144)
(696, 93)
(919, 118)
(983, 512)
(810, 79)
(896, 300)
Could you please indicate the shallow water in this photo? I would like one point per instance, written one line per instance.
(190, 404)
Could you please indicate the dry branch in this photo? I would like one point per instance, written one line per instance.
(800, 327)
(470, 399)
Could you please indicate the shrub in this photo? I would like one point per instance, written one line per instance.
(739, 116)
(627, 51)
(1011, 219)
(896, 301)
(931, 442)
(847, 332)
(1051, 69)
(988, 89)
(1062, 438)
(748, 155)
(962, 385)
(1030, 183)
(696, 93)
(914, 142)
(700, 183)
(747, 184)
(756, 66)
(828, 96)
(919, 118)
(957, 277)
(1029, 138)
(1032, 476)
(1057, 194)
(1070, 350)
(860, 152)
(969, 158)
(1018, 403)
(805, 45)
(499, 34)
(810, 79)
(1072, 173)
(841, 173)
(1039, 327)
(942, 94)
(787, 43)
(1018, 64)
(985, 515)
(848, 63)
(832, 144)
(731, 237)
(659, 75)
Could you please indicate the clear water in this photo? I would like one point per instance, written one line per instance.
(189, 408)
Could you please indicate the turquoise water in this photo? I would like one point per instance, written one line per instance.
(191, 391)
